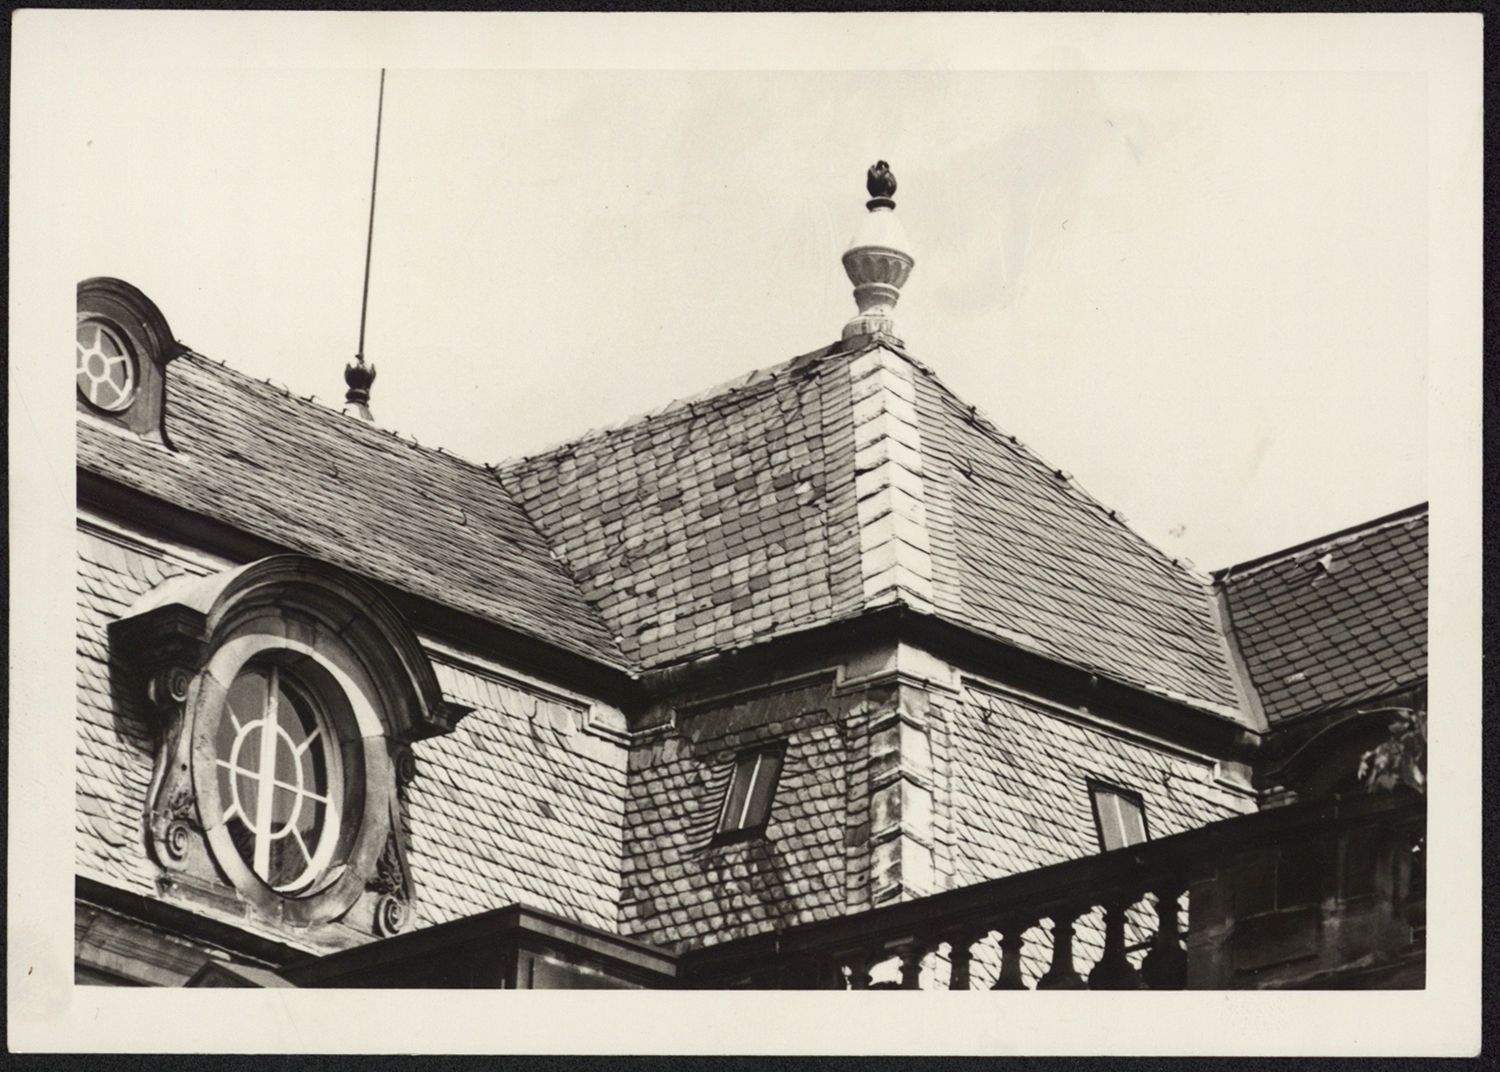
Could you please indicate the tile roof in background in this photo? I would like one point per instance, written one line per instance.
(314, 481)
(1336, 622)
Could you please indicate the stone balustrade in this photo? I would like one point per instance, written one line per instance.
(1286, 897)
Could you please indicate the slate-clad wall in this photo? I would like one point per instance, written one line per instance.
(522, 803)
(1018, 799)
(1008, 783)
(682, 891)
(115, 748)
(1020, 791)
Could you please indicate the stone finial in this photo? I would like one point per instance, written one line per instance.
(877, 261)
(359, 376)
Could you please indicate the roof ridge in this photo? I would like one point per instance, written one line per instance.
(312, 402)
(986, 424)
(764, 375)
(1341, 536)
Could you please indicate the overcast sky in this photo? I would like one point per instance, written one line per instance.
(1204, 293)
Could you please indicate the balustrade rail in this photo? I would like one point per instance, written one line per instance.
(1224, 865)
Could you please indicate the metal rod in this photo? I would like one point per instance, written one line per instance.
(364, 301)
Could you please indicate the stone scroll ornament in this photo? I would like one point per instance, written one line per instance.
(178, 653)
(392, 887)
(172, 819)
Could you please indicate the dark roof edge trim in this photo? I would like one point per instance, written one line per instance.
(485, 929)
(1239, 670)
(973, 653)
(1221, 576)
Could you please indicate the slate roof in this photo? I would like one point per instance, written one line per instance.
(1336, 622)
(734, 518)
(681, 889)
(314, 481)
(1020, 787)
(741, 515)
(115, 744)
(715, 522)
(1035, 560)
(1020, 800)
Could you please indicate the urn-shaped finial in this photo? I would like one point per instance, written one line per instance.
(877, 261)
(359, 376)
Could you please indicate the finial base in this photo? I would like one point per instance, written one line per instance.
(862, 326)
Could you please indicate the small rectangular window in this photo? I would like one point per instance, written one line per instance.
(1119, 816)
(747, 804)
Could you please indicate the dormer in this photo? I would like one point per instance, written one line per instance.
(124, 345)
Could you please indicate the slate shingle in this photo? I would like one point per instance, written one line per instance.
(1020, 797)
(114, 750)
(682, 891)
(732, 521)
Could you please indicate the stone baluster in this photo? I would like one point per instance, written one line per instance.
(960, 957)
(859, 973)
(1114, 970)
(1060, 974)
(911, 966)
(1012, 935)
(1165, 966)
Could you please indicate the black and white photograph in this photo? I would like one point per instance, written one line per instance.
(743, 504)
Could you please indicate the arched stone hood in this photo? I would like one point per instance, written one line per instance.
(173, 627)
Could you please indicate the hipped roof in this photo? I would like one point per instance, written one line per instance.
(720, 521)
(741, 515)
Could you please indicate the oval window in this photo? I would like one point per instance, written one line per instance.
(106, 368)
(280, 777)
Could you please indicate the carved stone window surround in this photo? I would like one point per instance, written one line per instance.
(183, 646)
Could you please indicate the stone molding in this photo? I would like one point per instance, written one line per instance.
(901, 798)
(895, 556)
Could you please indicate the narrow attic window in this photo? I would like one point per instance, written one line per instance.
(1119, 816)
(747, 804)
